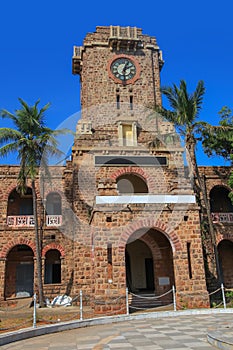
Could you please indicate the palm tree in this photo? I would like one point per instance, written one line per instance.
(184, 115)
(33, 142)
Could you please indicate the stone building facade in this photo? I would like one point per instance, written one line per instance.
(122, 212)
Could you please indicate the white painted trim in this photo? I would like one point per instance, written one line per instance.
(146, 198)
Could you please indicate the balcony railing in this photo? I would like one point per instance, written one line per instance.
(21, 221)
(28, 220)
(53, 220)
(222, 217)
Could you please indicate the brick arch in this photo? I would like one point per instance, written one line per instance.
(12, 188)
(6, 249)
(152, 224)
(224, 192)
(53, 246)
(133, 170)
(221, 185)
(224, 237)
(151, 244)
(7, 193)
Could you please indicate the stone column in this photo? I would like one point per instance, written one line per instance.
(2, 277)
(191, 289)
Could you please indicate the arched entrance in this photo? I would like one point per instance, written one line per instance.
(149, 262)
(19, 277)
(139, 267)
(225, 251)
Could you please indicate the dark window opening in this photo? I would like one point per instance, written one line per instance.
(131, 102)
(220, 201)
(131, 183)
(118, 101)
(20, 204)
(189, 260)
(52, 267)
(109, 257)
(109, 253)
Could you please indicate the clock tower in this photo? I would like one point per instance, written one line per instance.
(138, 223)
(118, 61)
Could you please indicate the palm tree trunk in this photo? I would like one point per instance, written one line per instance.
(190, 145)
(38, 247)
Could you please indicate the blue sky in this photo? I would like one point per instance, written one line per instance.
(37, 38)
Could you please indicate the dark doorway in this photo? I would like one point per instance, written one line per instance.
(19, 277)
(149, 274)
(225, 251)
(24, 280)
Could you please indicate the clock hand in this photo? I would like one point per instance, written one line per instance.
(125, 66)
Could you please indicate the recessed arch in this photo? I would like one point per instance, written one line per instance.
(53, 203)
(219, 200)
(131, 183)
(52, 265)
(19, 277)
(20, 204)
(149, 262)
(145, 225)
(136, 171)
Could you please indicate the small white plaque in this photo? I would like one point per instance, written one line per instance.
(164, 281)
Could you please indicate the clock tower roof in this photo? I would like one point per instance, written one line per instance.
(117, 39)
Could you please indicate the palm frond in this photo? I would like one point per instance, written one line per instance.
(185, 106)
(9, 135)
(8, 148)
(6, 114)
(25, 106)
(31, 139)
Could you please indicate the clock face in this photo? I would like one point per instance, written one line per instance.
(123, 69)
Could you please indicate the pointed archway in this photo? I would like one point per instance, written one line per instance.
(19, 278)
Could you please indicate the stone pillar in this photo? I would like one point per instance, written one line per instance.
(2, 277)
(191, 290)
(134, 126)
(109, 296)
(63, 273)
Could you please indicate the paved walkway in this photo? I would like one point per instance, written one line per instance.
(178, 333)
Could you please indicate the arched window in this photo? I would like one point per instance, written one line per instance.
(20, 209)
(52, 267)
(53, 204)
(19, 276)
(131, 184)
(20, 204)
(220, 201)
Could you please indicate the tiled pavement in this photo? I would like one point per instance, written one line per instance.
(178, 333)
